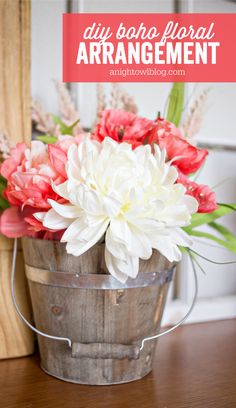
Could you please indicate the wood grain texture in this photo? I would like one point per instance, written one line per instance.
(15, 69)
(116, 317)
(194, 367)
(15, 339)
(53, 256)
(105, 350)
(15, 120)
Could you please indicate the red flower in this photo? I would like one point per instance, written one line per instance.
(188, 157)
(203, 194)
(123, 126)
(29, 172)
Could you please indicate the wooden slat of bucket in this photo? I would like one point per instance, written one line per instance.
(15, 339)
(52, 256)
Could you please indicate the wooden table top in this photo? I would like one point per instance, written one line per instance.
(195, 367)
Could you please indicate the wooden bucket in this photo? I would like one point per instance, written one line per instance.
(76, 298)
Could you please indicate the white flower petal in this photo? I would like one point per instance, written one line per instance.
(120, 230)
(140, 245)
(61, 189)
(94, 231)
(65, 210)
(40, 216)
(55, 221)
(78, 247)
(111, 206)
(180, 237)
(89, 200)
(114, 247)
(119, 269)
(74, 230)
(112, 267)
(129, 267)
(171, 175)
(191, 203)
(166, 247)
(73, 165)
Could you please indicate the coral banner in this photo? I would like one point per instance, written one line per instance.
(149, 48)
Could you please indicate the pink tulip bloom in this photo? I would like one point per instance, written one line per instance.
(188, 157)
(203, 194)
(122, 126)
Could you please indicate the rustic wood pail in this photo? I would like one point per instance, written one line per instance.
(76, 298)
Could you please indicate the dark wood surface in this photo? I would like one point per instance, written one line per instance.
(195, 367)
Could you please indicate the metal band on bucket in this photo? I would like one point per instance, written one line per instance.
(96, 281)
(33, 274)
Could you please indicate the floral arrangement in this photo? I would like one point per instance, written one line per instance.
(127, 183)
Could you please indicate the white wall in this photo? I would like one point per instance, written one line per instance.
(125, 6)
(46, 50)
(219, 124)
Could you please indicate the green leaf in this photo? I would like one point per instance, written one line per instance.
(176, 103)
(228, 245)
(225, 232)
(2, 188)
(71, 127)
(65, 130)
(3, 203)
(194, 259)
(59, 122)
(182, 249)
(47, 139)
(3, 181)
(201, 219)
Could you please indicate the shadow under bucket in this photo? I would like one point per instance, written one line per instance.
(106, 321)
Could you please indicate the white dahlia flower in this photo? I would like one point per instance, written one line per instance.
(127, 196)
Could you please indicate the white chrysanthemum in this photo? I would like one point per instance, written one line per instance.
(130, 196)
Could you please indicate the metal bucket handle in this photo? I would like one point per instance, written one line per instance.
(99, 350)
